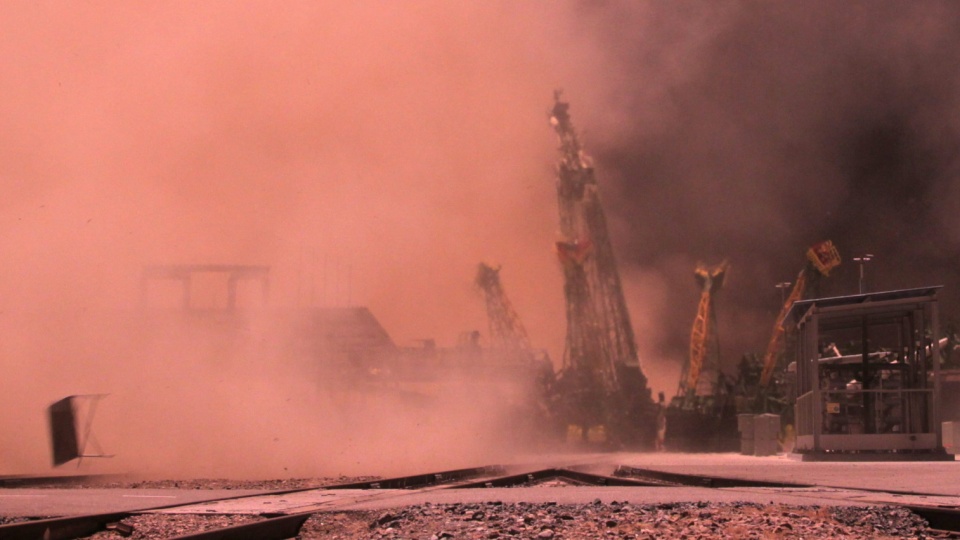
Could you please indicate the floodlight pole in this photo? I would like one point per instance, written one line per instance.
(862, 260)
(783, 285)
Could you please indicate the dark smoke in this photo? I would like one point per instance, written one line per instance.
(752, 130)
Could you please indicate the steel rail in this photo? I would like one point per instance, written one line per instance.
(63, 528)
(698, 480)
(562, 473)
(939, 519)
(420, 480)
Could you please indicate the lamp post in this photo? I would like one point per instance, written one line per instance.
(783, 291)
(862, 260)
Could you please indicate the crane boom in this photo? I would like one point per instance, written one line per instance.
(821, 258)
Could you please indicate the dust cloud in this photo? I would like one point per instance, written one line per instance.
(370, 153)
(373, 153)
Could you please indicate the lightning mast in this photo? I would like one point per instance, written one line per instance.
(601, 370)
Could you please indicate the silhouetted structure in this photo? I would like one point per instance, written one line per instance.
(601, 382)
(185, 273)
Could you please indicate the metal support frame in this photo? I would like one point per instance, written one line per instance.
(914, 346)
(184, 274)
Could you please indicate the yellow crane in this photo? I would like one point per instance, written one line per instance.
(704, 339)
(821, 258)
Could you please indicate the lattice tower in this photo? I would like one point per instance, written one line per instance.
(600, 339)
(506, 329)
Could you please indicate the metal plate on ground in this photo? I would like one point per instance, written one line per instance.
(288, 503)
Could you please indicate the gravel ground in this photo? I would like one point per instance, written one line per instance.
(614, 520)
(576, 522)
(155, 526)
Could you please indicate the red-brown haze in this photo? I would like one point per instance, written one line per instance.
(370, 153)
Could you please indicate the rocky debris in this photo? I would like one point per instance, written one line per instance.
(155, 526)
(616, 521)
(899, 521)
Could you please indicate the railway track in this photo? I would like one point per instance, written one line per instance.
(281, 522)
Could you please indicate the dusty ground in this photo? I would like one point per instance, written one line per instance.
(205, 483)
(611, 521)
(591, 521)
(597, 520)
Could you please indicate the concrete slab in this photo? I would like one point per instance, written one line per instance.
(938, 477)
(74, 502)
(289, 503)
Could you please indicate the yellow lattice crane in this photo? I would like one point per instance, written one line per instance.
(704, 339)
(821, 258)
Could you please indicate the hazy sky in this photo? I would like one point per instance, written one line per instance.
(371, 153)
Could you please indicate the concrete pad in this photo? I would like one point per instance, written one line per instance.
(289, 503)
(75, 502)
(931, 477)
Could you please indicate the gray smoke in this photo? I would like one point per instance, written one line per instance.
(752, 130)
